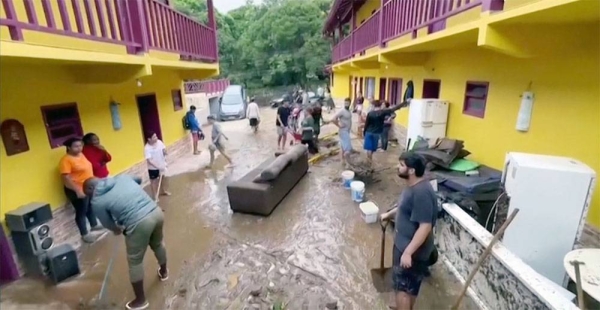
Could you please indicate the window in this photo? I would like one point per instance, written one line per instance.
(62, 123)
(177, 100)
(475, 99)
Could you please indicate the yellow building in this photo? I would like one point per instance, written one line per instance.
(110, 67)
(500, 49)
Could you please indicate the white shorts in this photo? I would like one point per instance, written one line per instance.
(281, 130)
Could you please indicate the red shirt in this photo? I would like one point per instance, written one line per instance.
(98, 158)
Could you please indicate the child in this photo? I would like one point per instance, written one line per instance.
(216, 143)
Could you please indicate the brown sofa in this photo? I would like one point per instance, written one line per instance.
(263, 188)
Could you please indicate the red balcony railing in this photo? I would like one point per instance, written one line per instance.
(342, 50)
(405, 16)
(400, 17)
(172, 31)
(211, 86)
(139, 25)
(367, 35)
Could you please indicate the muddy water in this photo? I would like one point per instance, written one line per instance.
(313, 251)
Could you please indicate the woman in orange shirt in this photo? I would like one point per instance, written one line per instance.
(75, 169)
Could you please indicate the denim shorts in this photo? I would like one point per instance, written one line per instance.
(371, 141)
(408, 280)
(345, 141)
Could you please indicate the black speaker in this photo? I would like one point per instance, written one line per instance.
(28, 216)
(62, 262)
(33, 242)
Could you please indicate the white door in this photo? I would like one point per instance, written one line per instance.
(370, 87)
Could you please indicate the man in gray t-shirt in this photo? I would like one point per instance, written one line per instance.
(415, 216)
(343, 119)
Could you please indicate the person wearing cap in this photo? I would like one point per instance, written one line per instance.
(216, 141)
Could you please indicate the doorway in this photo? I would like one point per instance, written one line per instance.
(8, 268)
(431, 89)
(149, 118)
(395, 96)
(351, 91)
(361, 82)
(382, 88)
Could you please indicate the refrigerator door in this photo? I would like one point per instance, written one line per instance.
(434, 112)
(552, 195)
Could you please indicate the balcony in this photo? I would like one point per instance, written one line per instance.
(207, 87)
(140, 26)
(397, 18)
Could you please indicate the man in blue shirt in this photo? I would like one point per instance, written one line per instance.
(194, 126)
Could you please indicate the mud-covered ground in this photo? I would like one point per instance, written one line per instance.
(313, 252)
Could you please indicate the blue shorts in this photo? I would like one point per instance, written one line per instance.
(371, 141)
(407, 280)
(345, 141)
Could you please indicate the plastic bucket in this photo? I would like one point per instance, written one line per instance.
(347, 177)
(357, 190)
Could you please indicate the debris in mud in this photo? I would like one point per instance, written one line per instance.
(245, 283)
(256, 291)
(331, 305)
(182, 292)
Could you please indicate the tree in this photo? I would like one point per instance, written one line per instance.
(278, 42)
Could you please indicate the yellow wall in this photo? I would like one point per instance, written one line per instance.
(566, 83)
(365, 11)
(33, 176)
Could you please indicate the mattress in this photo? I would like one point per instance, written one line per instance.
(487, 181)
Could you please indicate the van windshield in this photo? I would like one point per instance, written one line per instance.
(232, 100)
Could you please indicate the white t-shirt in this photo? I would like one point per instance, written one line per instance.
(253, 110)
(156, 154)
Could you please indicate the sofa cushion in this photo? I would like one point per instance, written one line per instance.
(271, 172)
(297, 151)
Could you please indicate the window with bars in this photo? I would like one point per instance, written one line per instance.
(62, 122)
(177, 99)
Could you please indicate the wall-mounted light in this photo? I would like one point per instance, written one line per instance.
(138, 82)
(114, 114)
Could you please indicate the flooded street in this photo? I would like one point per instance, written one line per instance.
(313, 252)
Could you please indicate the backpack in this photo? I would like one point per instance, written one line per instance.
(185, 122)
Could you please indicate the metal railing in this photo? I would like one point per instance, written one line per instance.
(210, 86)
(397, 18)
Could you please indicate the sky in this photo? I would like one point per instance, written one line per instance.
(225, 6)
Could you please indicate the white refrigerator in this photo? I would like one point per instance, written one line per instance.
(553, 195)
(427, 118)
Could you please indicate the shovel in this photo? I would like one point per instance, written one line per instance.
(382, 277)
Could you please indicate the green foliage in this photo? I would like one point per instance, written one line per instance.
(278, 42)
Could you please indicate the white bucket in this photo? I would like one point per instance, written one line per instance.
(357, 189)
(347, 177)
(370, 212)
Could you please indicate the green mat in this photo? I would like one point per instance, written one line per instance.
(463, 165)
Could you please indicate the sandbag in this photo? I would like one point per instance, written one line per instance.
(271, 172)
